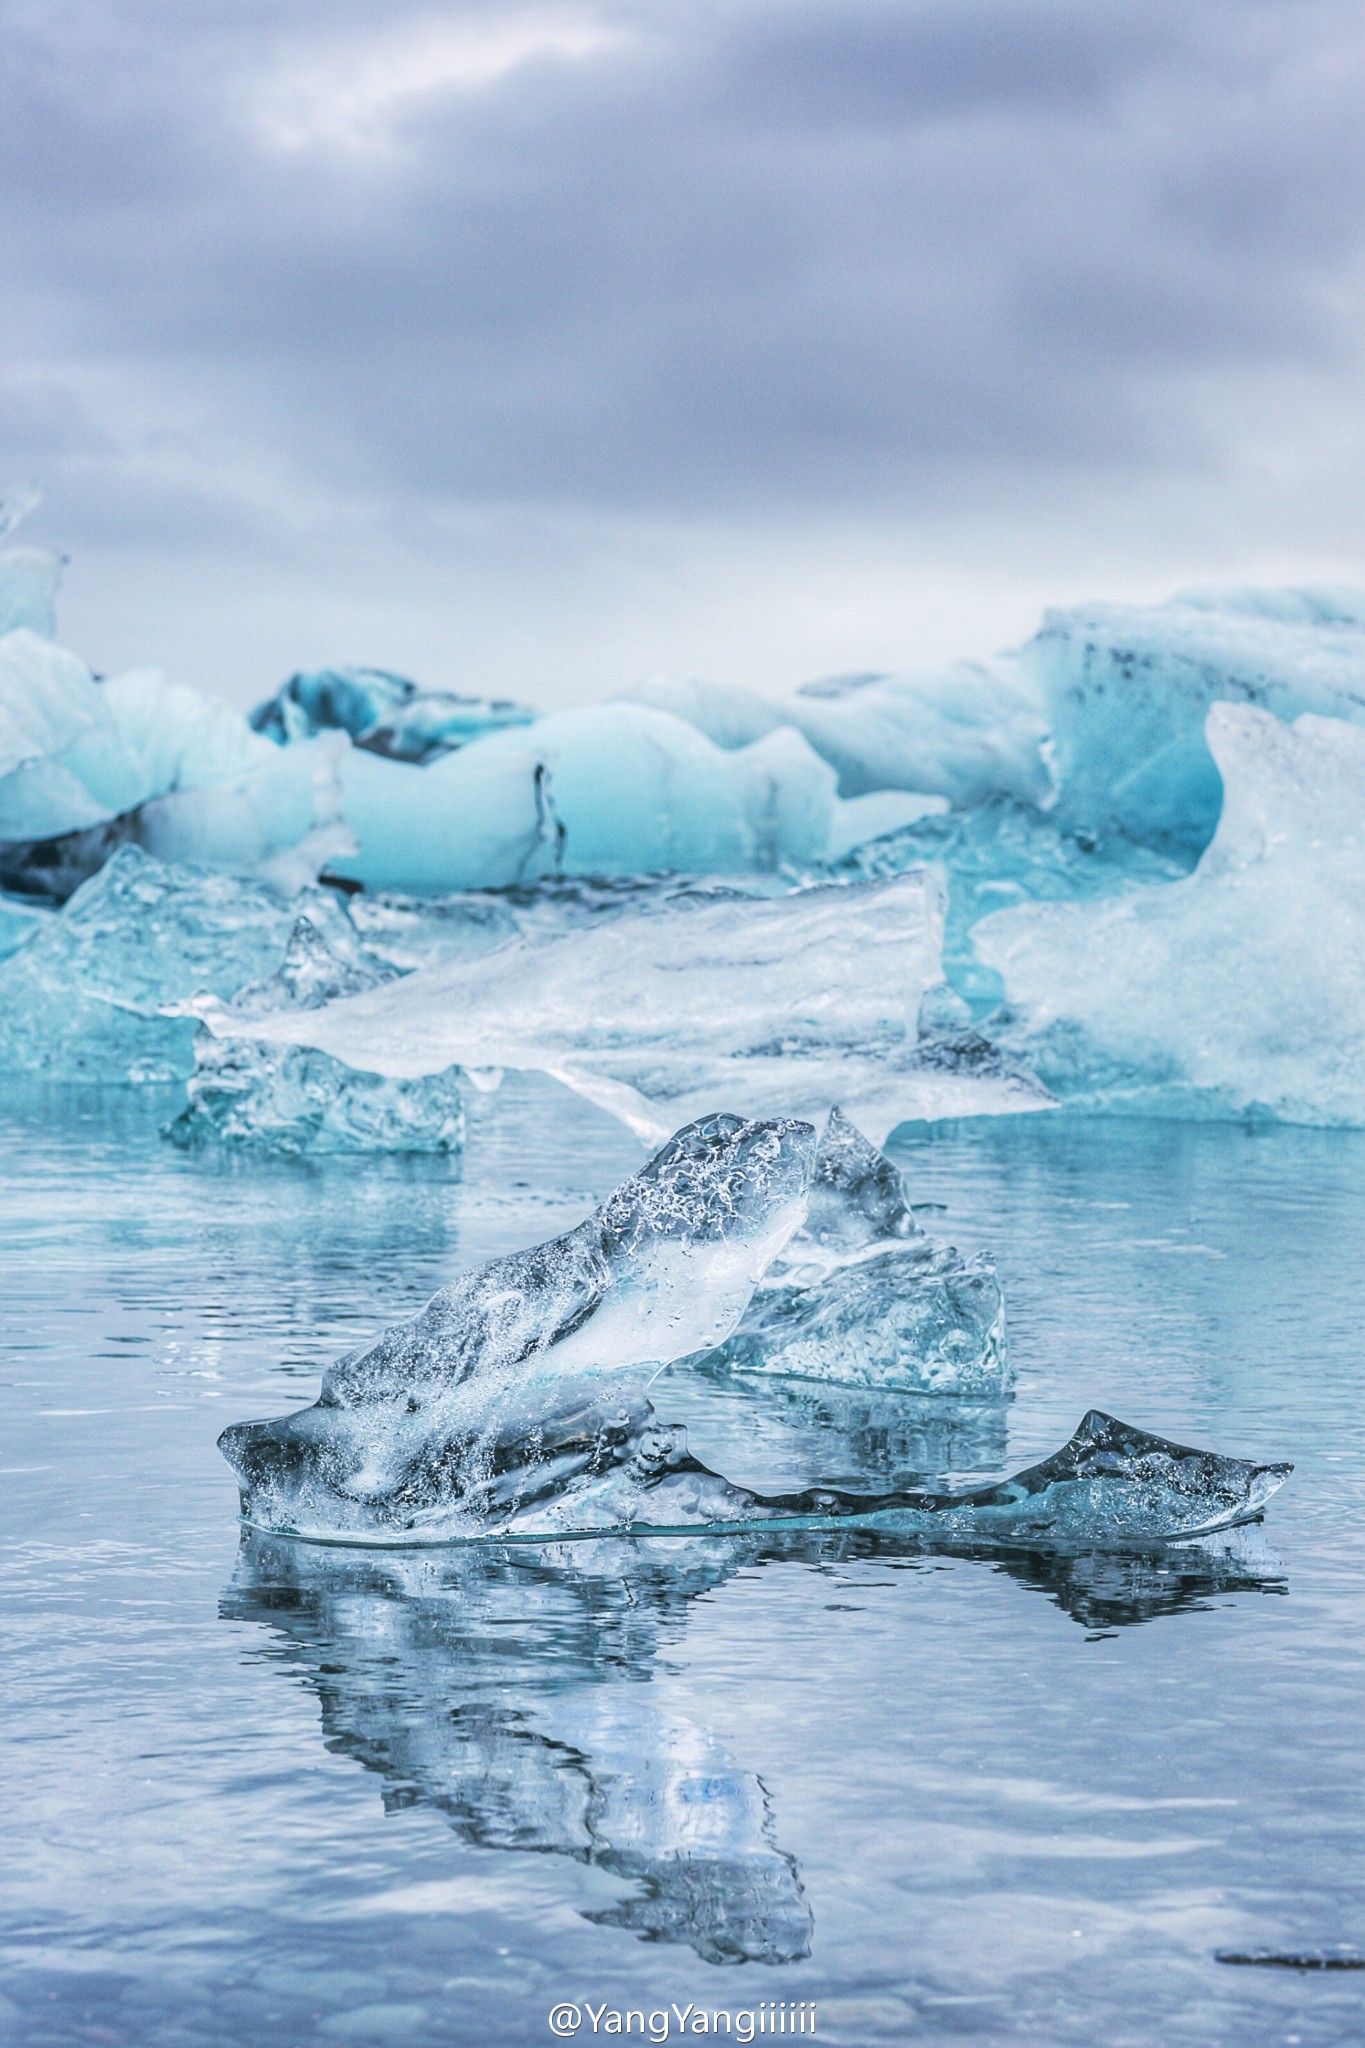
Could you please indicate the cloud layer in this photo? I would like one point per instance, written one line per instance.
(410, 286)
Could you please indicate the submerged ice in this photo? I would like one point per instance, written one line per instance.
(514, 1403)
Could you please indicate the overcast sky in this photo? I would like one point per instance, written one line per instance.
(534, 348)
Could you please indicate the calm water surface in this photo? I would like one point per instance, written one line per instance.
(261, 1793)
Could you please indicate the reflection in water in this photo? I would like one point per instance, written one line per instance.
(829, 1435)
(509, 1687)
(512, 1693)
(1106, 1590)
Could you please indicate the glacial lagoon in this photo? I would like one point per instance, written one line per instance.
(259, 1791)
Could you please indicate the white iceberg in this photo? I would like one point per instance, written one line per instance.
(783, 1006)
(184, 775)
(1239, 991)
(48, 701)
(966, 732)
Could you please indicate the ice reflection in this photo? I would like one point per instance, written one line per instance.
(510, 1688)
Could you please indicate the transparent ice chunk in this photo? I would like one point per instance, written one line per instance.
(293, 1099)
(1109, 1485)
(513, 1404)
(784, 1005)
(862, 1297)
(495, 1379)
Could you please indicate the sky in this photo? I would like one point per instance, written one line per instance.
(531, 349)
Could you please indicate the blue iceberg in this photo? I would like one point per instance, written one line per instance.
(1128, 690)
(382, 712)
(85, 997)
(1239, 991)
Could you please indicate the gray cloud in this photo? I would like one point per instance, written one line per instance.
(764, 261)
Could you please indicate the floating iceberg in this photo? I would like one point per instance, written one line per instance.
(786, 1005)
(511, 1404)
(607, 790)
(295, 1099)
(384, 713)
(1240, 991)
(863, 1297)
(967, 732)
(1000, 855)
(495, 1386)
(84, 997)
(86, 766)
(1128, 689)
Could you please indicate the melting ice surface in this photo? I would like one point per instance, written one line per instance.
(512, 1404)
(786, 1005)
(863, 1297)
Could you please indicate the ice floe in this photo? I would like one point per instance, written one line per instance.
(783, 1005)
